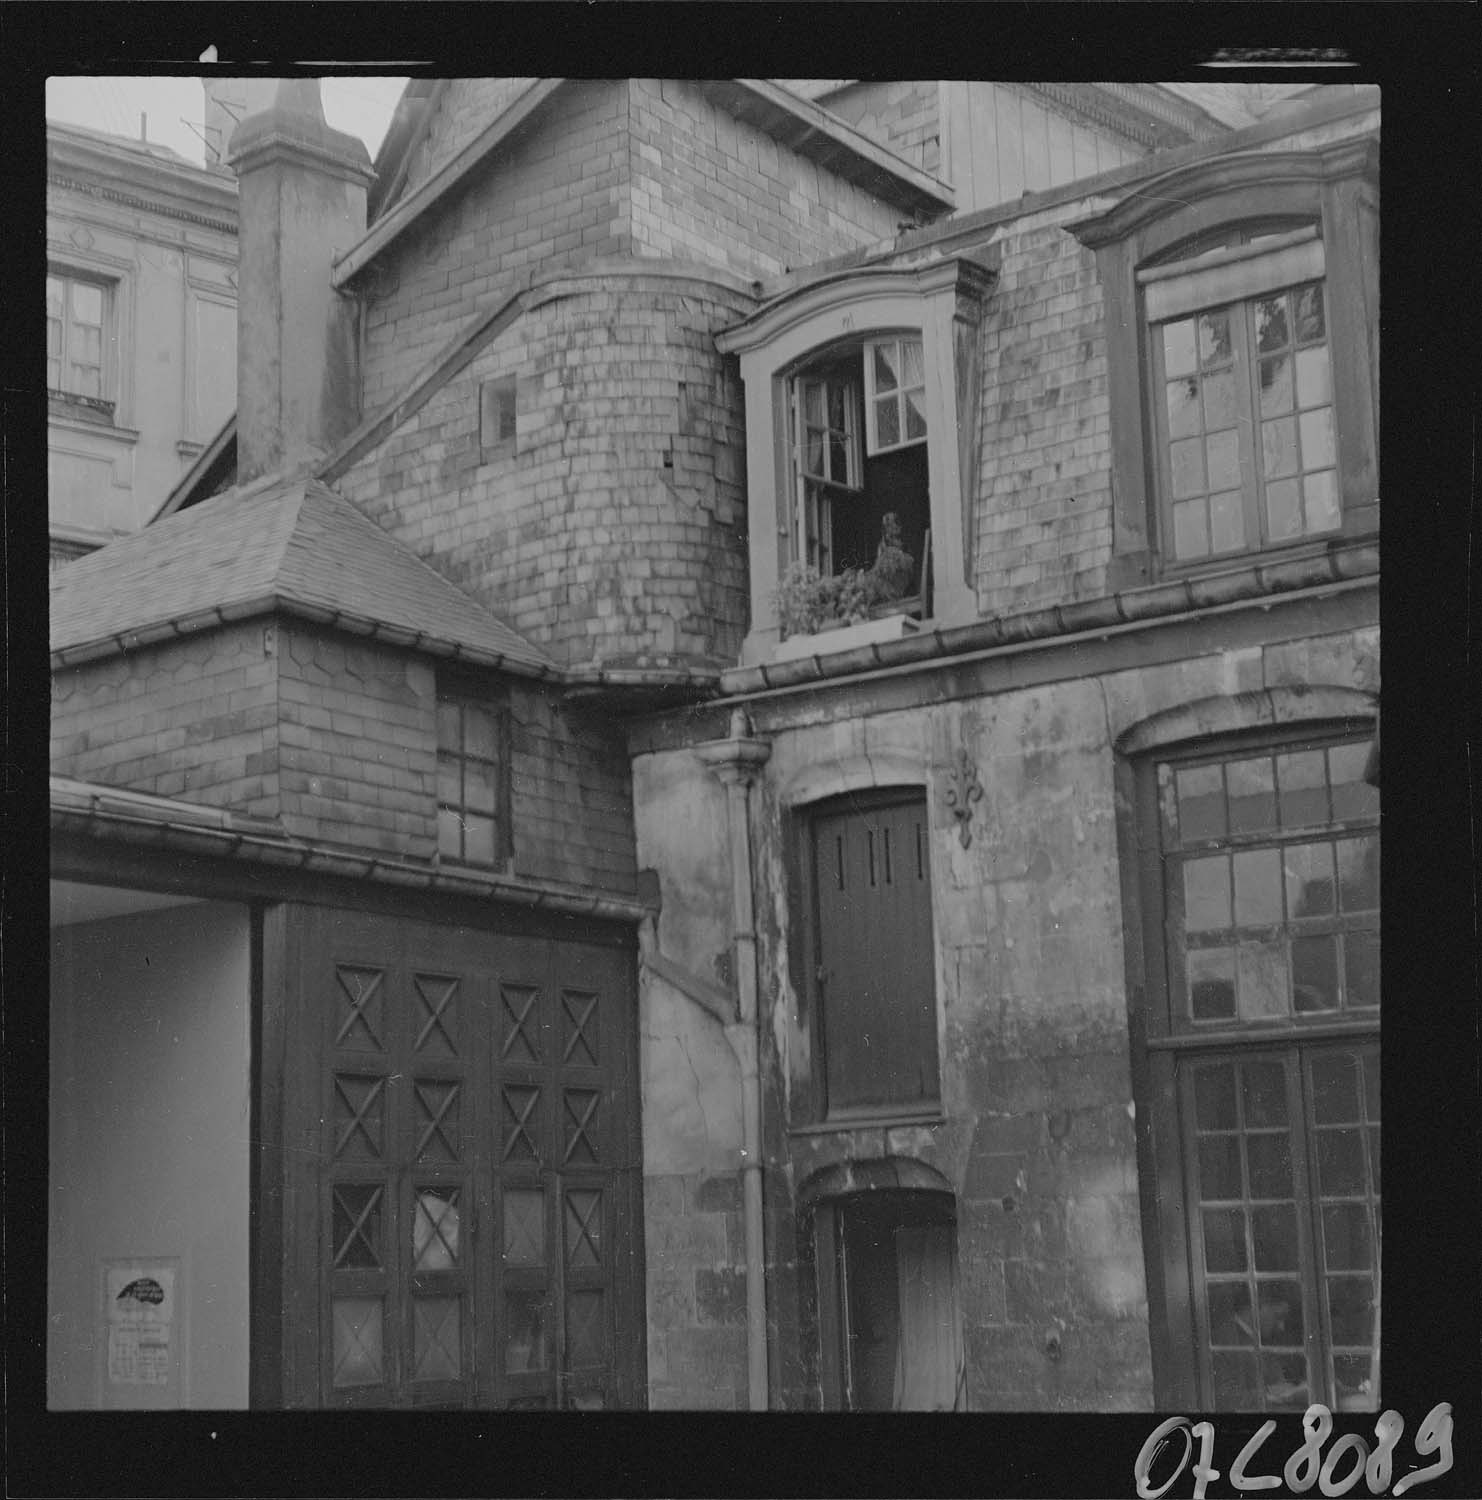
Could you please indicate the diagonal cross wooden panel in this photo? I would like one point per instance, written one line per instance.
(430, 1232)
(581, 1011)
(437, 1329)
(359, 1113)
(344, 1201)
(521, 1023)
(359, 987)
(584, 1227)
(581, 1110)
(519, 1108)
(437, 1111)
(438, 1006)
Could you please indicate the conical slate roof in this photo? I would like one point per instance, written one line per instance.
(293, 546)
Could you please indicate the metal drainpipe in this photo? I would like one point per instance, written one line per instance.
(736, 761)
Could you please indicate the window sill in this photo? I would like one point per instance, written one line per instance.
(851, 1123)
(1235, 562)
(77, 418)
(833, 638)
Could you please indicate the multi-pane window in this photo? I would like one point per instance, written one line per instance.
(1247, 448)
(1263, 878)
(76, 323)
(858, 438)
(472, 779)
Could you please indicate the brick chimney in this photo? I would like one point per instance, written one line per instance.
(301, 202)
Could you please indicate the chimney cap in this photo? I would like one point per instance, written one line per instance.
(293, 123)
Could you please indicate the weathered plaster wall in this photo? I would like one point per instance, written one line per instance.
(150, 1099)
(1037, 1135)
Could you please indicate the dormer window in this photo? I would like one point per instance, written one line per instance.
(862, 405)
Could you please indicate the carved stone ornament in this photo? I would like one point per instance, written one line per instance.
(963, 789)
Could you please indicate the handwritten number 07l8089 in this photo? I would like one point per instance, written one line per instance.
(1346, 1462)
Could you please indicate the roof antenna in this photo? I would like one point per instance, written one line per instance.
(143, 127)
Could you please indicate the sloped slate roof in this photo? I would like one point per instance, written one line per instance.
(294, 546)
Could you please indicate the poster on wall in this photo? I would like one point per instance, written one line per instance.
(142, 1332)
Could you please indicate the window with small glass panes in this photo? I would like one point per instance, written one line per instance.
(472, 776)
(1260, 887)
(77, 312)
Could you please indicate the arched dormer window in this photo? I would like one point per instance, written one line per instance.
(1241, 314)
(861, 401)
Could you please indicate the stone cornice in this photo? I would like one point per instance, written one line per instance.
(149, 205)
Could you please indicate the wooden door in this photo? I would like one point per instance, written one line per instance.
(875, 971)
(462, 1226)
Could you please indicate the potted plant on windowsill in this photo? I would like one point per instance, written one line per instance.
(850, 608)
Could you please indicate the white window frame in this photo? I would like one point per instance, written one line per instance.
(943, 301)
(873, 397)
(69, 277)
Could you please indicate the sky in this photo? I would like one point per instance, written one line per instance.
(359, 105)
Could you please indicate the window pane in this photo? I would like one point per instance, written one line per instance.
(1186, 462)
(1309, 879)
(1302, 794)
(1223, 453)
(1358, 873)
(1183, 407)
(1190, 529)
(449, 730)
(1252, 794)
(813, 452)
(1257, 888)
(449, 780)
(813, 403)
(1271, 326)
(1219, 1167)
(1320, 500)
(1281, 1314)
(885, 376)
(1214, 338)
(524, 1226)
(54, 374)
(1314, 973)
(1207, 894)
(1270, 1159)
(1227, 521)
(1340, 1163)
(1279, 447)
(357, 1225)
(1264, 981)
(87, 303)
(1285, 1377)
(1314, 377)
(1178, 347)
(838, 457)
(478, 732)
(1335, 1098)
(1353, 797)
(915, 415)
(436, 1341)
(1263, 1085)
(887, 422)
(449, 833)
(1308, 301)
(1273, 1233)
(479, 783)
(1236, 1387)
(1211, 977)
(1351, 1308)
(1283, 511)
(86, 382)
(357, 1340)
(1214, 1097)
(1224, 1239)
(478, 839)
(1219, 401)
(54, 296)
(913, 366)
(1230, 1320)
(835, 392)
(1317, 438)
(1346, 1240)
(527, 1344)
(1201, 803)
(1361, 969)
(53, 338)
(435, 1229)
(1276, 385)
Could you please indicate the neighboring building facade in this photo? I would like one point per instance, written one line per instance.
(141, 327)
(940, 980)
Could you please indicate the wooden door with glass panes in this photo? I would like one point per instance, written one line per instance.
(466, 1104)
(1260, 887)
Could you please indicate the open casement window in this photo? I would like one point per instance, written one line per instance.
(868, 926)
(1242, 358)
(845, 487)
(78, 339)
(1260, 894)
(465, 1229)
(890, 1330)
(472, 777)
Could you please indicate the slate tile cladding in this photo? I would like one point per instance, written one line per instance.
(337, 737)
(904, 114)
(613, 528)
(466, 107)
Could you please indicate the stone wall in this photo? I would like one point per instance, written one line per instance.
(903, 114)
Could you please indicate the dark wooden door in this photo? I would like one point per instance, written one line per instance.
(462, 1227)
(875, 974)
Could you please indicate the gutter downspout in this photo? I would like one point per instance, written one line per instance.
(737, 761)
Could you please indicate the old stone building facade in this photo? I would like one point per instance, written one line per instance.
(681, 951)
